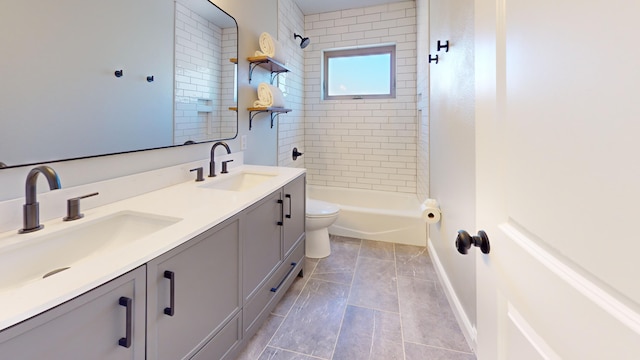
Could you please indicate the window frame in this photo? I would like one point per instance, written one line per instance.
(360, 51)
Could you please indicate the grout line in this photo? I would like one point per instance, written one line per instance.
(347, 302)
(441, 348)
(298, 353)
(395, 262)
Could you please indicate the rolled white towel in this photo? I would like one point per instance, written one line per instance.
(270, 47)
(269, 96)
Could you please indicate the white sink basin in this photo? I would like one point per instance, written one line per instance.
(30, 258)
(241, 181)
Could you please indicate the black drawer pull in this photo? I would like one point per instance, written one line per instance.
(128, 304)
(288, 196)
(172, 292)
(293, 266)
(281, 222)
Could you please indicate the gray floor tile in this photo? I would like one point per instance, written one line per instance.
(427, 318)
(312, 325)
(369, 334)
(377, 249)
(423, 352)
(383, 284)
(340, 265)
(375, 285)
(414, 261)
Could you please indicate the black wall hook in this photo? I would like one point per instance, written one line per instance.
(446, 46)
(150, 78)
(431, 58)
(118, 73)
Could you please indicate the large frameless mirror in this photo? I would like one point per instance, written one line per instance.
(84, 78)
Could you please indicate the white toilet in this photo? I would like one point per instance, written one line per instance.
(320, 215)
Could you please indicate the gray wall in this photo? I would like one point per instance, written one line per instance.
(452, 143)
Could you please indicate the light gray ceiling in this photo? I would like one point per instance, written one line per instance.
(309, 7)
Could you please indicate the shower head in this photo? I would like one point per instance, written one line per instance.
(304, 41)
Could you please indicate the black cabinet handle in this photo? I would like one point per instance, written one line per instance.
(172, 292)
(293, 266)
(128, 304)
(281, 222)
(288, 196)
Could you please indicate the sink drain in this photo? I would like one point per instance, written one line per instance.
(53, 272)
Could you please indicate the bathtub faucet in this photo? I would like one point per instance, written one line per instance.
(212, 163)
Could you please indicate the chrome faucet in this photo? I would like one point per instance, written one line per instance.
(212, 163)
(31, 212)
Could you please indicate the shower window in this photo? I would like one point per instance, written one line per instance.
(360, 73)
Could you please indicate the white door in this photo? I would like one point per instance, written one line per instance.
(558, 179)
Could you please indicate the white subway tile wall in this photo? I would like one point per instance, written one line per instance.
(202, 78)
(367, 144)
(291, 125)
(422, 18)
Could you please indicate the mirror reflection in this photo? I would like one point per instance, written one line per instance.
(85, 78)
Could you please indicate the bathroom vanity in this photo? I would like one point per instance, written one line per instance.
(199, 286)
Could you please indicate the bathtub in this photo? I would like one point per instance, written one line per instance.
(374, 215)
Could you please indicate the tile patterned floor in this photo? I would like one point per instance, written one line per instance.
(368, 300)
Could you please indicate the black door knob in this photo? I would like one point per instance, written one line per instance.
(464, 242)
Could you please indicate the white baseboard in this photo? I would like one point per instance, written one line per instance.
(468, 329)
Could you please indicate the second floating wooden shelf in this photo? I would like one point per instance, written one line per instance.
(274, 66)
(274, 111)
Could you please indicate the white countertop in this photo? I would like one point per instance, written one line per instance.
(199, 208)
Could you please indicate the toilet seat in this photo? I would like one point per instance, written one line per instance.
(318, 208)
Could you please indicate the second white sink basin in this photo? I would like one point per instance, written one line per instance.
(241, 181)
(31, 258)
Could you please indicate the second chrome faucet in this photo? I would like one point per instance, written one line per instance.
(31, 208)
(212, 163)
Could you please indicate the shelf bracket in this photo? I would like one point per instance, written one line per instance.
(252, 67)
(275, 74)
(253, 113)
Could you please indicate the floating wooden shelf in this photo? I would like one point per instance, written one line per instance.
(233, 108)
(234, 60)
(274, 111)
(265, 62)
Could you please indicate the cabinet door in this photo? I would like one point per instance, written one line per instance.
(294, 209)
(193, 291)
(87, 327)
(262, 246)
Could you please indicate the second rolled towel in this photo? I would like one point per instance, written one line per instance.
(269, 96)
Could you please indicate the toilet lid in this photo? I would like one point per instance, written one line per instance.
(321, 208)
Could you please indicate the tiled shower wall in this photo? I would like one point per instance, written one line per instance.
(422, 17)
(291, 125)
(367, 144)
(203, 51)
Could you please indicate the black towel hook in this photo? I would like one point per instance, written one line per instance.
(446, 46)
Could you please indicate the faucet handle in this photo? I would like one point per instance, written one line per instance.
(198, 171)
(224, 167)
(73, 207)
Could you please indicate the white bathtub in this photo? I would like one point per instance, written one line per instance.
(374, 215)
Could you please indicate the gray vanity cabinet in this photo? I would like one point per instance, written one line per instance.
(194, 296)
(99, 324)
(262, 250)
(273, 251)
(295, 211)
